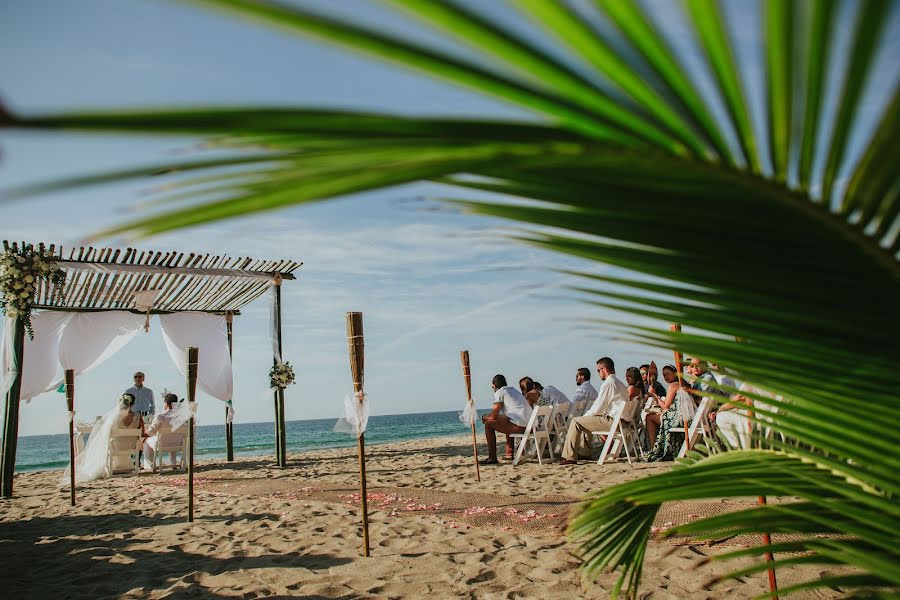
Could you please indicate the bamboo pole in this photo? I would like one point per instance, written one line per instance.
(679, 367)
(192, 360)
(356, 344)
(11, 423)
(229, 427)
(70, 402)
(281, 454)
(467, 376)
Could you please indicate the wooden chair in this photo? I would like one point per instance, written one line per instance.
(124, 452)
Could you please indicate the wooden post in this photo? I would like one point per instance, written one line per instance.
(356, 343)
(679, 368)
(192, 360)
(280, 438)
(11, 424)
(767, 539)
(467, 376)
(70, 402)
(229, 427)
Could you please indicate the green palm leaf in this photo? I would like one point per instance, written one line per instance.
(710, 240)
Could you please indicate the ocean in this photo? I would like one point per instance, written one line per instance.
(48, 452)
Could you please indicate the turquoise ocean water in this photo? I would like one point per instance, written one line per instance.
(46, 452)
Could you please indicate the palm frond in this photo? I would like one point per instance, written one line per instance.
(633, 168)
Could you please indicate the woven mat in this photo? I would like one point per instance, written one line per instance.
(548, 515)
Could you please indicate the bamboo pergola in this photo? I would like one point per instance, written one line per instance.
(107, 279)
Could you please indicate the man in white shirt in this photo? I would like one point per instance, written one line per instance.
(510, 414)
(613, 393)
(585, 391)
(143, 397)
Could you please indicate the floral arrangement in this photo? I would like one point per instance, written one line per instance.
(281, 375)
(126, 401)
(21, 271)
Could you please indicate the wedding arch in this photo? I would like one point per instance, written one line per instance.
(91, 303)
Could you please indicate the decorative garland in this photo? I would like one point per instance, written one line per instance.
(281, 375)
(21, 271)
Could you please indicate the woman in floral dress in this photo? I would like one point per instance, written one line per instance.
(666, 445)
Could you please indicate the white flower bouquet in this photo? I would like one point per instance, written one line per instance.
(281, 375)
(21, 272)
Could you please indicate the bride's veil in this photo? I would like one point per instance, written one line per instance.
(91, 462)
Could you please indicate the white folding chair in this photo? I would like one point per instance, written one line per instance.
(170, 443)
(614, 433)
(124, 444)
(698, 427)
(559, 420)
(535, 431)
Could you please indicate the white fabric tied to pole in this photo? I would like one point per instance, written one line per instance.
(686, 406)
(356, 415)
(229, 413)
(89, 339)
(467, 416)
(182, 413)
(208, 333)
(71, 416)
(273, 335)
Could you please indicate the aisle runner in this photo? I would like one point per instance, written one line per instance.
(548, 515)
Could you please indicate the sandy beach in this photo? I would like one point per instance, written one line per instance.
(260, 531)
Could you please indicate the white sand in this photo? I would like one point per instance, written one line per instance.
(128, 537)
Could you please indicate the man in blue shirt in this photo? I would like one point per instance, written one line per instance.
(143, 397)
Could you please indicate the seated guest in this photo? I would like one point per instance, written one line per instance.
(635, 383)
(613, 393)
(550, 396)
(585, 390)
(161, 426)
(703, 379)
(526, 386)
(732, 420)
(648, 374)
(510, 414)
(659, 424)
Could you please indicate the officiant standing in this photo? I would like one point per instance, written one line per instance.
(143, 397)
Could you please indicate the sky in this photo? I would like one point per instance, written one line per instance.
(430, 281)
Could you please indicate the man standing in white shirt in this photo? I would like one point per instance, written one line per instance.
(143, 397)
(585, 391)
(510, 414)
(613, 393)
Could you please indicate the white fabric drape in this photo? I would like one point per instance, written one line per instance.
(40, 365)
(467, 416)
(273, 335)
(209, 334)
(90, 338)
(8, 368)
(356, 415)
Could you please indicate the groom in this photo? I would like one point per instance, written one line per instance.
(143, 397)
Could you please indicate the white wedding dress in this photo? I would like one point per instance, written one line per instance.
(92, 461)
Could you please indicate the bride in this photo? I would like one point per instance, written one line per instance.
(91, 463)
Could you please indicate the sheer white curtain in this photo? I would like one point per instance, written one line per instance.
(62, 340)
(40, 365)
(8, 368)
(90, 338)
(208, 333)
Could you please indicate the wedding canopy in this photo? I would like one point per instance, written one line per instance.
(108, 296)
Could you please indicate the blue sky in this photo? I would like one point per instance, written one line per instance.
(429, 281)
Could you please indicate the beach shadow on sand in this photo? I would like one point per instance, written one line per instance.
(77, 547)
